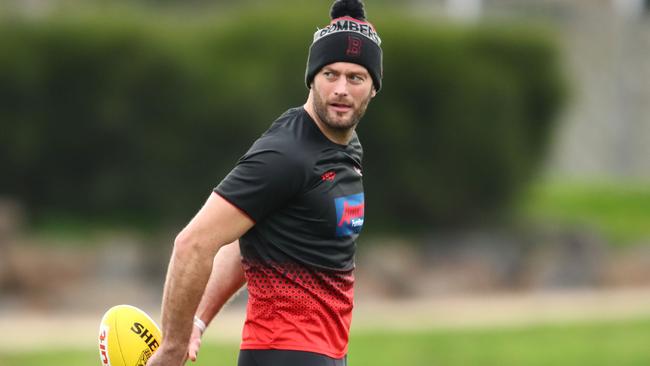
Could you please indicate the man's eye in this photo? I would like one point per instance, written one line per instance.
(356, 79)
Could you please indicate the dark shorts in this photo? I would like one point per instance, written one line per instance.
(273, 357)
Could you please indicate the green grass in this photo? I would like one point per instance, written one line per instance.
(616, 344)
(620, 212)
(620, 343)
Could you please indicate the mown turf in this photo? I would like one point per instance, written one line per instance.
(613, 343)
(622, 343)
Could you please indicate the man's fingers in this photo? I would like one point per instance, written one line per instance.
(193, 351)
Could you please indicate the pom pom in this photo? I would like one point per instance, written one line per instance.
(351, 8)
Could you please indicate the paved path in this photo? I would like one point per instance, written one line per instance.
(29, 331)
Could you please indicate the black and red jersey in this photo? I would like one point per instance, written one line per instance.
(305, 194)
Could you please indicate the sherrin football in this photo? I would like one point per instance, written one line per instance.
(127, 337)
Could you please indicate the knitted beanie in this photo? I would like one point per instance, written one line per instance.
(348, 38)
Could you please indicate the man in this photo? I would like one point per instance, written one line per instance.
(285, 220)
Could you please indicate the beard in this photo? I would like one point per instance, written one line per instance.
(336, 120)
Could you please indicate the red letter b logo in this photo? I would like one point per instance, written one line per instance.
(354, 46)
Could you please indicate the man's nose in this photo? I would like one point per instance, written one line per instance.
(341, 87)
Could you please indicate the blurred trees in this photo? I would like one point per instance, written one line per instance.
(135, 117)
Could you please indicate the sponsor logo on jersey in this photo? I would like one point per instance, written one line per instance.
(103, 345)
(328, 176)
(349, 214)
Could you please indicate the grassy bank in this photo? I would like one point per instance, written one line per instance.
(620, 212)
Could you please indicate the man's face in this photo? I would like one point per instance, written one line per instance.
(342, 92)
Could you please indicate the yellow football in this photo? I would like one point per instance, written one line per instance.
(127, 337)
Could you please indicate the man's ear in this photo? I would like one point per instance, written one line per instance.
(374, 92)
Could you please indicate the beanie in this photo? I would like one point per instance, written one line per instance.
(348, 38)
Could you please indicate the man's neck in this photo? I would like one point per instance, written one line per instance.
(341, 137)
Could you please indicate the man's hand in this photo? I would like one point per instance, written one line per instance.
(195, 344)
(164, 357)
(167, 357)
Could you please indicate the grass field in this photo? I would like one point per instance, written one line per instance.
(615, 343)
(619, 212)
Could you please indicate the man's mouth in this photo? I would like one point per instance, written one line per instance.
(341, 107)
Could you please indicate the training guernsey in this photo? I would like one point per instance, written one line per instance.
(305, 195)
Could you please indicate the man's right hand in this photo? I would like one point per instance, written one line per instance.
(167, 357)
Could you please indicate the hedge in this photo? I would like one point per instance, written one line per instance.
(141, 118)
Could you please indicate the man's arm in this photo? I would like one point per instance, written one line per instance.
(216, 224)
(227, 277)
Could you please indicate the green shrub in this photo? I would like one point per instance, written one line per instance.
(133, 116)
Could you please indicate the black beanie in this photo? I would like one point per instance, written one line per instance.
(348, 38)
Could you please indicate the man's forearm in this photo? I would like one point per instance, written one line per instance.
(226, 279)
(187, 275)
(216, 224)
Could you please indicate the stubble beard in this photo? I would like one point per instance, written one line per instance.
(333, 120)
